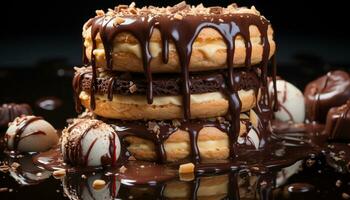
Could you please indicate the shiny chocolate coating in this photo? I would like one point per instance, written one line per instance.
(338, 122)
(330, 90)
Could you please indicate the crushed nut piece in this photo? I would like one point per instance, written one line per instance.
(15, 165)
(100, 13)
(153, 126)
(176, 123)
(4, 189)
(186, 168)
(178, 16)
(98, 184)
(131, 158)
(338, 183)
(118, 20)
(132, 88)
(59, 173)
(83, 176)
(122, 169)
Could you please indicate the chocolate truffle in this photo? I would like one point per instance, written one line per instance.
(8, 112)
(291, 105)
(338, 122)
(30, 134)
(330, 90)
(89, 142)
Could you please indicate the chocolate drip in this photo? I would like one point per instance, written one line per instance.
(164, 130)
(20, 129)
(76, 83)
(75, 149)
(183, 33)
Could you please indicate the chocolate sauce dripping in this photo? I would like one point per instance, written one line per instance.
(274, 75)
(20, 129)
(183, 33)
(75, 151)
(76, 83)
(315, 106)
(126, 129)
(110, 89)
(142, 30)
(340, 122)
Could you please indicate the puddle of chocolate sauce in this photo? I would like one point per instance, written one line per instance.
(323, 174)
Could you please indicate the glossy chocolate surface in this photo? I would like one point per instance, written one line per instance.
(330, 90)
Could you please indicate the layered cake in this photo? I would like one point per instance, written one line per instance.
(181, 82)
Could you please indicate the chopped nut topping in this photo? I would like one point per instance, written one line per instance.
(186, 168)
(122, 169)
(15, 165)
(118, 20)
(178, 16)
(153, 126)
(131, 158)
(4, 189)
(59, 173)
(215, 10)
(176, 123)
(132, 88)
(100, 13)
(98, 184)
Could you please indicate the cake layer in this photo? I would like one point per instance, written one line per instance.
(169, 141)
(135, 107)
(129, 35)
(163, 85)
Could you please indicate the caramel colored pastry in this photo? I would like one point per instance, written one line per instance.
(209, 48)
(205, 68)
(175, 141)
(169, 107)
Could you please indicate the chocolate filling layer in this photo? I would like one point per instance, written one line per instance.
(163, 84)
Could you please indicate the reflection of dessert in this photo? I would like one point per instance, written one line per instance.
(338, 122)
(150, 64)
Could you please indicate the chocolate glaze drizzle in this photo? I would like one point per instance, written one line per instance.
(20, 129)
(183, 33)
(75, 154)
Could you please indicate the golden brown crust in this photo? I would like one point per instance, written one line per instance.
(127, 58)
(129, 111)
(212, 143)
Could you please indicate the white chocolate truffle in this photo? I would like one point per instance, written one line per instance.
(30, 134)
(89, 142)
(290, 100)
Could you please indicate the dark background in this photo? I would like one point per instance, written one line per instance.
(40, 43)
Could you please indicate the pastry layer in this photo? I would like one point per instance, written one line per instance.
(131, 34)
(208, 51)
(143, 139)
(135, 107)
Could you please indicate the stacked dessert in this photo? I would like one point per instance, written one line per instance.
(181, 82)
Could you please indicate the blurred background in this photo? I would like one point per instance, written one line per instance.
(41, 41)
